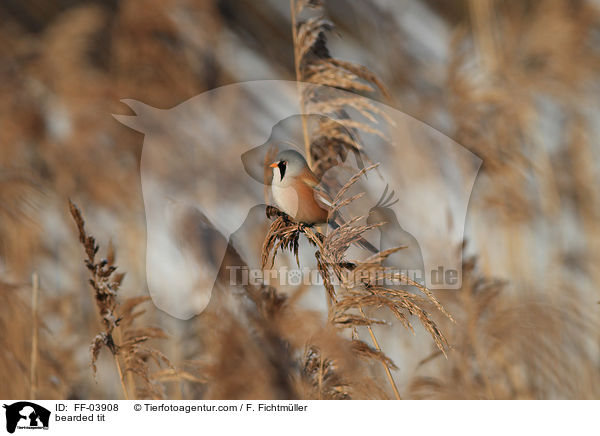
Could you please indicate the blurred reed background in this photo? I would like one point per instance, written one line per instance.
(514, 81)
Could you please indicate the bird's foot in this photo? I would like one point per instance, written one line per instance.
(272, 211)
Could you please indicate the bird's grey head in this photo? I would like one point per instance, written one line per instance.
(288, 164)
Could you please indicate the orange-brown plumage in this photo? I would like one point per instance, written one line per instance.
(295, 190)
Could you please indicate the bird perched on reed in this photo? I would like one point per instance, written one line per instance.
(296, 192)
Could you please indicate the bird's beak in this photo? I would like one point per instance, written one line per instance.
(274, 164)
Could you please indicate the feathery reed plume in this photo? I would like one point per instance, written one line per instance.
(320, 374)
(105, 287)
(331, 140)
(328, 148)
(510, 348)
(254, 343)
(119, 335)
(360, 280)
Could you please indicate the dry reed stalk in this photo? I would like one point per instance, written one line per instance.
(482, 16)
(385, 364)
(52, 358)
(35, 284)
(297, 60)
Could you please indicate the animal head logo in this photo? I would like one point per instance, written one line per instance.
(205, 184)
(27, 415)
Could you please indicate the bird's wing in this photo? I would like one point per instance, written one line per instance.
(324, 199)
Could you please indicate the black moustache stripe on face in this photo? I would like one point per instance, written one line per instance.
(282, 165)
